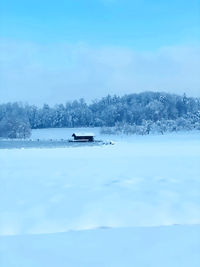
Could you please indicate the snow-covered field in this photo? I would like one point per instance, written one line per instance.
(136, 203)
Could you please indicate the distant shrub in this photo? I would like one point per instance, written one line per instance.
(150, 127)
(11, 128)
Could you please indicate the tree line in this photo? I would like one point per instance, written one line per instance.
(147, 110)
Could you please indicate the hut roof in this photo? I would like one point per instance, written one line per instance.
(83, 134)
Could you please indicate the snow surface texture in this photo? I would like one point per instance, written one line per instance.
(176, 246)
(117, 190)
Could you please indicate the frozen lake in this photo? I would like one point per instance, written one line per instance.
(53, 138)
(140, 182)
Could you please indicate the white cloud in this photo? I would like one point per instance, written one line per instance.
(56, 73)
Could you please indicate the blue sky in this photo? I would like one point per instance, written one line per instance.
(89, 48)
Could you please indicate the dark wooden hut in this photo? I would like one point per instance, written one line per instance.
(87, 137)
